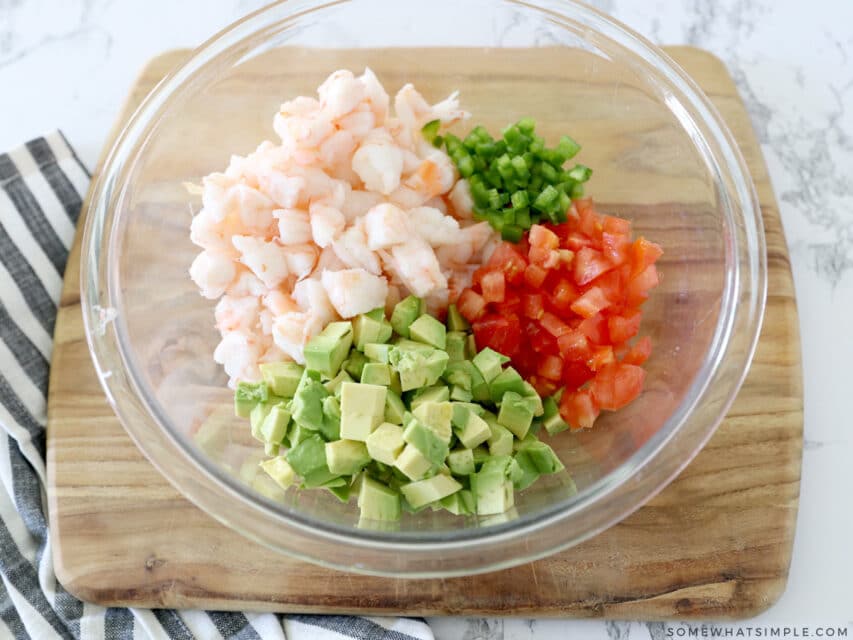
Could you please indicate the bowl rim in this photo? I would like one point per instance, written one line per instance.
(112, 334)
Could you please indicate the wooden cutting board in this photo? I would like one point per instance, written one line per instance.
(716, 543)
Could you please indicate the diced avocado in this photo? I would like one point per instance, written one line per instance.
(376, 373)
(551, 419)
(271, 449)
(378, 352)
(279, 469)
(460, 394)
(405, 313)
(395, 383)
(322, 477)
(474, 431)
(461, 462)
(346, 457)
(427, 440)
(394, 408)
(385, 443)
(543, 457)
(354, 364)
(492, 489)
(518, 445)
(500, 441)
(404, 344)
(455, 321)
(378, 501)
(460, 412)
(437, 416)
(430, 331)
(506, 380)
(362, 409)
(342, 492)
(472, 345)
(459, 374)
(325, 352)
(460, 503)
(481, 454)
(247, 396)
(274, 427)
(524, 472)
(376, 314)
(367, 329)
(307, 404)
(267, 487)
(455, 348)
(308, 456)
(331, 429)
(413, 463)
(515, 414)
(533, 397)
(489, 363)
(417, 368)
(436, 393)
(282, 377)
(257, 417)
(423, 492)
(334, 384)
(298, 433)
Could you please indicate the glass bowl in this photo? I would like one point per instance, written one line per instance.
(661, 156)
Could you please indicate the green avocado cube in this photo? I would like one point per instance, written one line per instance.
(325, 352)
(331, 429)
(460, 412)
(378, 352)
(459, 374)
(460, 503)
(436, 393)
(472, 430)
(552, 420)
(307, 404)
(394, 408)
(524, 472)
(461, 462)
(472, 346)
(333, 385)
(412, 463)
(298, 433)
(423, 492)
(308, 456)
(437, 416)
(362, 409)
(533, 397)
(376, 373)
(430, 331)
(507, 380)
(271, 449)
(489, 363)
(342, 492)
(395, 386)
(500, 440)
(455, 321)
(430, 442)
(282, 377)
(542, 457)
(481, 454)
(247, 396)
(405, 313)
(515, 414)
(455, 348)
(354, 364)
(493, 490)
(376, 314)
(418, 368)
(386, 443)
(346, 457)
(460, 394)
(257, 417)
(367, 329)
(274, 427)
(280, 471)
(378, 501)
(404, 344)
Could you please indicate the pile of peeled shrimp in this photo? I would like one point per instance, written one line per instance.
(351, 211)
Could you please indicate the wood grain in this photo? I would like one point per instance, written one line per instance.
(716, 543)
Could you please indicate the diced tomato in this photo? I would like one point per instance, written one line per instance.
(638, 287)
(551, 367)
(501, 333)
(615, 385)
(612, 285)
(615, 247)
(565, 293)
(640, 352)
(643, 255)
(601, 356)
(595, 328)
(493, 285)
(542, 237)
(574, 346)
(511, 304)
(624, 327)
(611, 224)
(553, 325)
(539, 255)
(471, 305)
(534, 275)
(507, 258)
(540, 340)
(532, 306)
(578, 409)
(543, 386)
(576, 374)
(577, 241)
(589, 264)
(590, 303)
(589, 222)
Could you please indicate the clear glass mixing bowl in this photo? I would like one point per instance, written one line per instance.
(661, 156)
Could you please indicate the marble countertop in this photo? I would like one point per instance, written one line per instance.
(69, 64)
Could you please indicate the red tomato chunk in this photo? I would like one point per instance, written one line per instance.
(565, 305)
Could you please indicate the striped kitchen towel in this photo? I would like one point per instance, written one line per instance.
(41, 189)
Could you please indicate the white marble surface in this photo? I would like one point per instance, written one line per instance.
(68, 64)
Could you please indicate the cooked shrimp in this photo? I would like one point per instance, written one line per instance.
(340, 93)
(436, 301)
(433, 226)
(353, 250)
(460, 198)
(285, 190)
(301, 259)
(437, 202)
(238, 353)
(301, 106)
(386, 225)
(267, 260)
(212, 272)
(434, 176)
(357, 203)
(279, 302)
(354, 291)
(417, 267)
(337, 149)
(327, 223)
(294, 226)
(288, 331)
(237, 314)
(214, 198)
(359, 123)
(329, 261)
(407, 198)
(246, 284)
(273, 354)
(379, 165)
(255, 208)
(216, 236)
(311, 297)
(394, 296)
(375, 95)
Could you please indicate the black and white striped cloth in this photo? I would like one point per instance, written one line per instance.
(41, 188)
